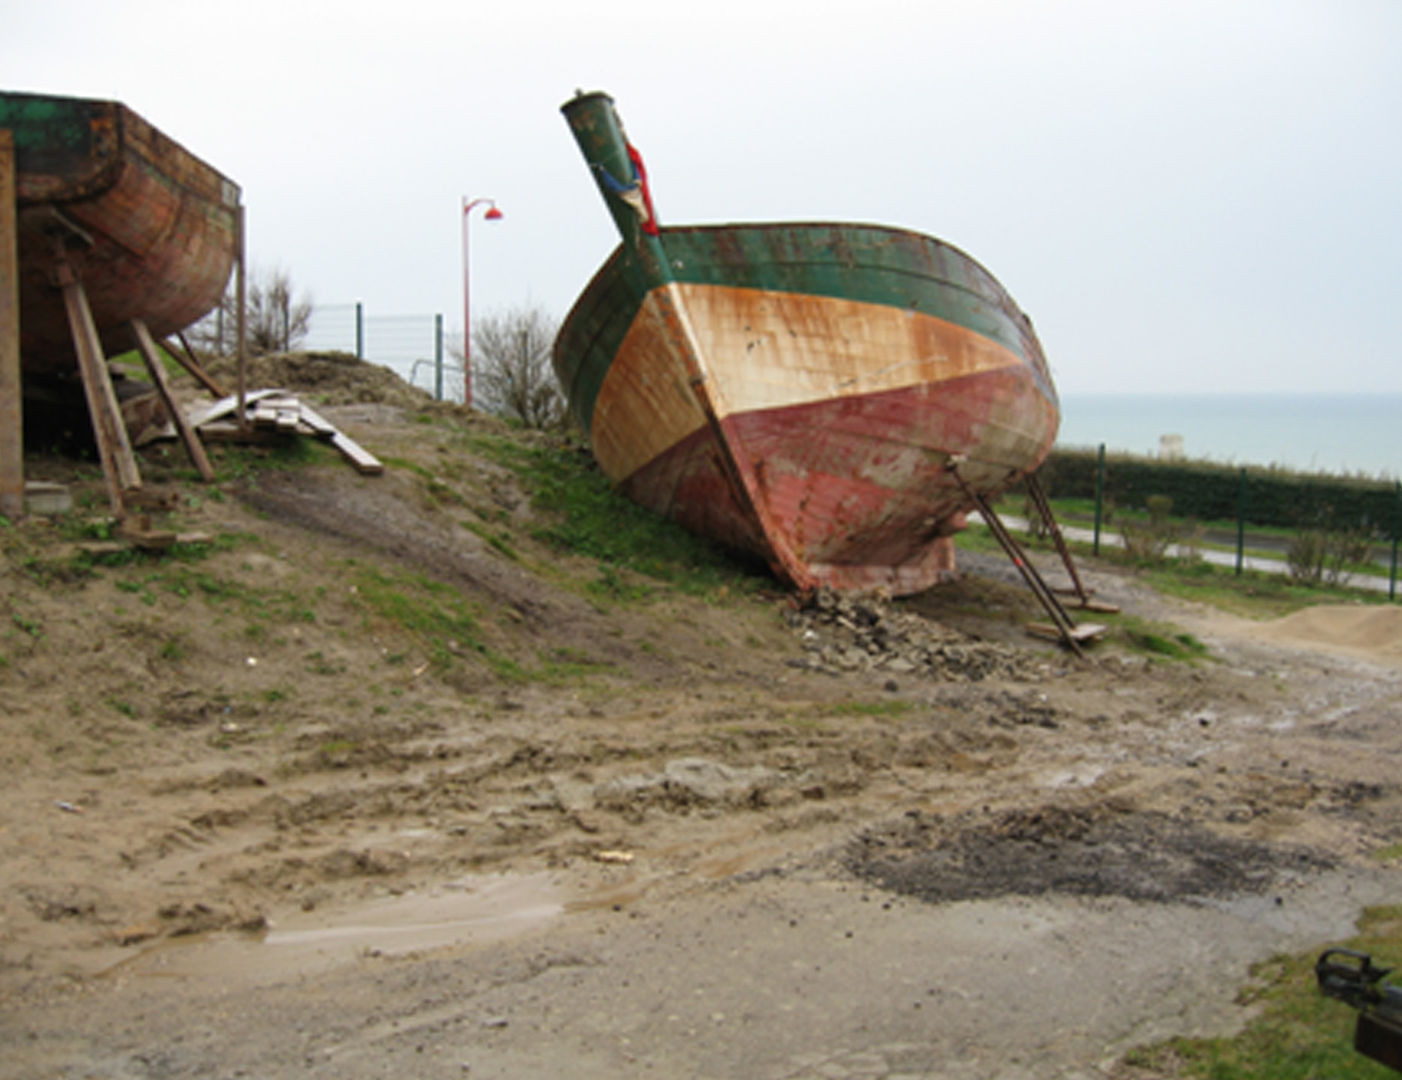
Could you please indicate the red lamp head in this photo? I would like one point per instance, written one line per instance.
(492, 214)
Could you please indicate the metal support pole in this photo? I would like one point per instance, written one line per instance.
(438, 358)
(359, 331)
(1099, 497)
(491, 214)
(1241, 524)
(1396, 536)
(11, 388)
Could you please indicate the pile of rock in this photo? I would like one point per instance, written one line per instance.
(847, 633)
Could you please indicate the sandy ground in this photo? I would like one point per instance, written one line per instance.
(261, 822)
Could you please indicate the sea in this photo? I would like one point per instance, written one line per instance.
(1337, 434)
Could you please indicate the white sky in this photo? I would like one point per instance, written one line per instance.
(1184, 194)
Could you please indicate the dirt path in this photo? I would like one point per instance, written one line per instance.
(260, 822)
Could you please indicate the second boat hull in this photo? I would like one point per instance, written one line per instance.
(149, 228)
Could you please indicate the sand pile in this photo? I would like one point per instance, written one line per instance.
(1372, 631)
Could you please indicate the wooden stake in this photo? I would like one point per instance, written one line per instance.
(113, 445)
(240, 286)
(193, 446)
(11, 390)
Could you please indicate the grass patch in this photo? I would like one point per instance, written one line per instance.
(887, 709)
(1154, 639)
(499, 542)
(1298, 1033)
(564, 664)
(1252, 594)
(432, 614)
(234, 461)
(588, 517)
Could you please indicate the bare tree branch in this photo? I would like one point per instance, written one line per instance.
(511, 370)
(276, 318)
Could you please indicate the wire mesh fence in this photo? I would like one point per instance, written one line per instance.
(333, 328)
(414, 347)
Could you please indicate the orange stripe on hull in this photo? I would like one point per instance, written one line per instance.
(767, 350)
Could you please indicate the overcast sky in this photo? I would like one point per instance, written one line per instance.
(1184, 194)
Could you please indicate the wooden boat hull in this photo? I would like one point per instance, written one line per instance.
(801, 391)
(149, 227)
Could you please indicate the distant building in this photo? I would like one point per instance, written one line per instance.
(1171, 447)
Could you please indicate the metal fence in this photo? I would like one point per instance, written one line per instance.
(414, 347)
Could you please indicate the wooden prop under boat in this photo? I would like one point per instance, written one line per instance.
(800, 391)
(149, 228)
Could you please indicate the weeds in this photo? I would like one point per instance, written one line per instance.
(887, 709)
(433, 614)
(1296, 1033)
(1149, 541)
(589, 517)
(1323, 552)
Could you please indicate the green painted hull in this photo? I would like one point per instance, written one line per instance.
(865, 263)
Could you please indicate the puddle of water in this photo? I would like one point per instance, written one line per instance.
(471, 911)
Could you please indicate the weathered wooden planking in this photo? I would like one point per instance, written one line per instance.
(275, 410)
(357, 455)
(1052, 632)
(158, 223)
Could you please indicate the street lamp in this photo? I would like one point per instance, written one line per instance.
(492, 214)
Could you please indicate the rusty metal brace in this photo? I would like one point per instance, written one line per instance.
(1065, 626)
(1038, 495)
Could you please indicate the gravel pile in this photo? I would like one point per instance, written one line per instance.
(846, 633)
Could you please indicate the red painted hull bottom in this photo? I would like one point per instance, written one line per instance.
(859, 486)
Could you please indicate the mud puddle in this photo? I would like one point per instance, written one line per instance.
(466, 912)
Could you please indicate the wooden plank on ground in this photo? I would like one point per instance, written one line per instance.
(317, 424)
(357, 455)
(1052, 632)
(228, 406)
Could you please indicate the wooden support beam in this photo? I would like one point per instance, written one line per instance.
(11, 395)
(240, 315)
(185, 357)
(113, 446)
(193, 446)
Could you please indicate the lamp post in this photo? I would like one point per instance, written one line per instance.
(492, 214)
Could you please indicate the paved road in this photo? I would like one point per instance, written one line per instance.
(1375, 583)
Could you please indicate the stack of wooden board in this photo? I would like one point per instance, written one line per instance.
(278, 411)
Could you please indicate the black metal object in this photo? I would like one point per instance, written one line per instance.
(1352, 978)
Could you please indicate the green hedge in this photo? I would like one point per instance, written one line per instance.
(1210, 492)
